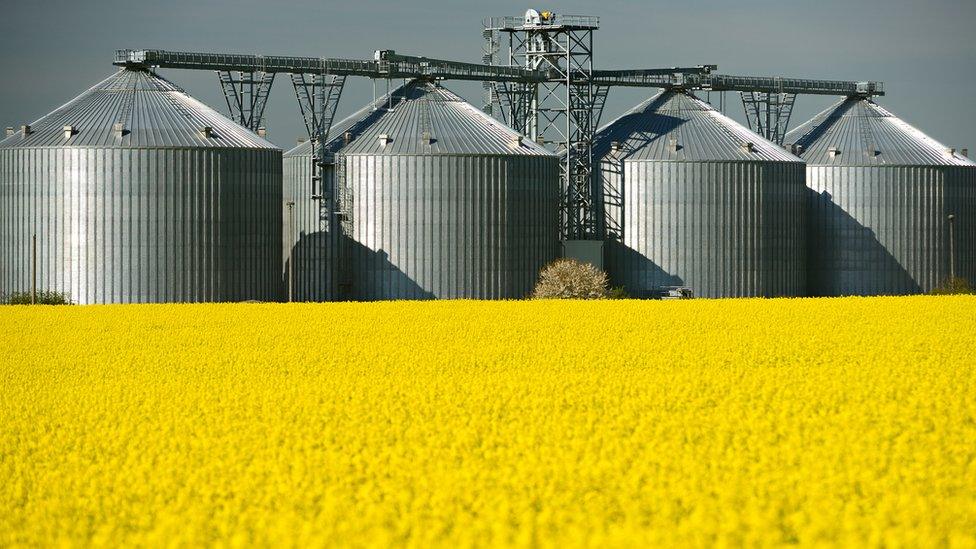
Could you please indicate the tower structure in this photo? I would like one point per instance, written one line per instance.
(563, 111)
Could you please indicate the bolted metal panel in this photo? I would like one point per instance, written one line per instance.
(883, 230)
(880, 194)
(688, 197)
(723, 229)
(142, 225)
(451, 226)
(138, 193)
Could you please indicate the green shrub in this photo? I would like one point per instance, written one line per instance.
(618, 292)
(44, 297)
(571, 279)
(953, 286)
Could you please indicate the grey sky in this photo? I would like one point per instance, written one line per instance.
(924, 50)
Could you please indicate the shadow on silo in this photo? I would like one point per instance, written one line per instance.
(312, 280)
(818, 130)
(637, 273)
(846, 258)
(370, 274)
(374, 278)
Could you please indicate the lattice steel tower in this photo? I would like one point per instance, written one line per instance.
(560, 113)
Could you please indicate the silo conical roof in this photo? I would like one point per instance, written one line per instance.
(453, 126)
(153, 113)
(862, 133)
(677, 126)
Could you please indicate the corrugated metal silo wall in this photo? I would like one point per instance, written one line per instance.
(723, 229)
(884, 230)
(451, 226)
(119, 225)
(311, 247)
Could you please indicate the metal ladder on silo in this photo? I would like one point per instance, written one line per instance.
(865, 132)
(343, 240)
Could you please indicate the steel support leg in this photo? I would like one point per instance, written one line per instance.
(246, 94)
(318, 97)
(768, 114)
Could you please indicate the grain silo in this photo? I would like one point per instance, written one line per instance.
(446, 202)
(880, 197)
(139, 193)
(311, 248)
(687, 197)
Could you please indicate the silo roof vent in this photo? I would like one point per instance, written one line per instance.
(673, 145)
(950, 151)
(347, 138)
(385, 139)
(206, 132)
(516, 142)
(965, 152)
(748, 147)
(615, 146)
(833, 151)
(118, 129)
(426, 138)
(25, 129)
(69, 131)
(262, 132)
(10, 131)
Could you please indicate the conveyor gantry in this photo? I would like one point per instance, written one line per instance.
(700, 78)
(386, 65)
(548, 86)
(390, 65)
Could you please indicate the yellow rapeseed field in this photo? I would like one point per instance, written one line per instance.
(617, 423)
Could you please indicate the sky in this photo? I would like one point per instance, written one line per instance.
(923, 50)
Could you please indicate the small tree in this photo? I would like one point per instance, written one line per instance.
(957, 285)
(571, 279)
